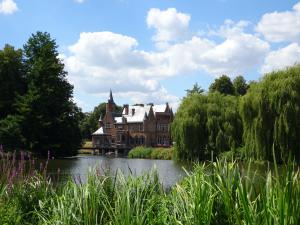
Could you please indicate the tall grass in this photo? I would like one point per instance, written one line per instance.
(213, 193)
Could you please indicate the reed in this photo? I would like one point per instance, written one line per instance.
(213, 193)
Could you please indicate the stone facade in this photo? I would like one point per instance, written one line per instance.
(146, 125)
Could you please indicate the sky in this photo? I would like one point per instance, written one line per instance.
(153, 50)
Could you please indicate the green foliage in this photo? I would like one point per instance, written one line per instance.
(271, 112)
(215, 193)
(240, 85)
(90, 122)
(151, 153)
(12, 80)
(195, 90)
(36, 108)
(205, 123)
(222, 85)
(10, 132)
(140, 152)
(49, 117)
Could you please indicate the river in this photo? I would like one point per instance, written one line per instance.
(79, 166)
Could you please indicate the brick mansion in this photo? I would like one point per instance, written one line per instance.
(146, 125)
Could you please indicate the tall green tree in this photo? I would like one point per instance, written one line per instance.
(195, 90)
(271, 112)
(12, 80)
(205, 123)
(12, 84)
(222, 85)
(240, 85)
(50, 118)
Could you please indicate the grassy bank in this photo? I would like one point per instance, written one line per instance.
(151, 153)
(217, 193)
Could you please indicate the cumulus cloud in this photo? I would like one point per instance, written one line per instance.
(100, 60)
(281, 26)
(8, 7)
(279, 59)
(235, 55)
(170, 25)
(238, 53)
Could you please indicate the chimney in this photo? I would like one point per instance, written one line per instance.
(126, 108)
(133, 111)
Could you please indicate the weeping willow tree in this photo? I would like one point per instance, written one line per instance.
(271, 116)
(206, 123)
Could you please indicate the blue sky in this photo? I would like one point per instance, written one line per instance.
(151, 50)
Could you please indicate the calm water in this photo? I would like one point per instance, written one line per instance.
(169, 172)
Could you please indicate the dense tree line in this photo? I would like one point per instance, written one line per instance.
(253, 120)
(36, 108)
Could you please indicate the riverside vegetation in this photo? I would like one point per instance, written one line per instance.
(151, 153)
(246, 121)
(215, 193)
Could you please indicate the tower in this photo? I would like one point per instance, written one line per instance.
(110, 105)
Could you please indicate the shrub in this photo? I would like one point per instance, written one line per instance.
(151, 153)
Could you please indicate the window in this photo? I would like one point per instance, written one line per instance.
(142, 140)
(131, 140)
(107, 125)
(162, 127)
(141, 127)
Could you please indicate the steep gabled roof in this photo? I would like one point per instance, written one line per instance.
(137, 113)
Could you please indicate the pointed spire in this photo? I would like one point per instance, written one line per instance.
(100, 118)
(111, 96)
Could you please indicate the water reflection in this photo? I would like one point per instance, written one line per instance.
(169, 172)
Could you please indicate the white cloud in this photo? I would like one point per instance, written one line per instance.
(102, 60)
(79, 1)
(236, 55)
(231, 29)
(170, 25)
(160, 96)
(281, 26)
(8, 7)
(279, 59)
